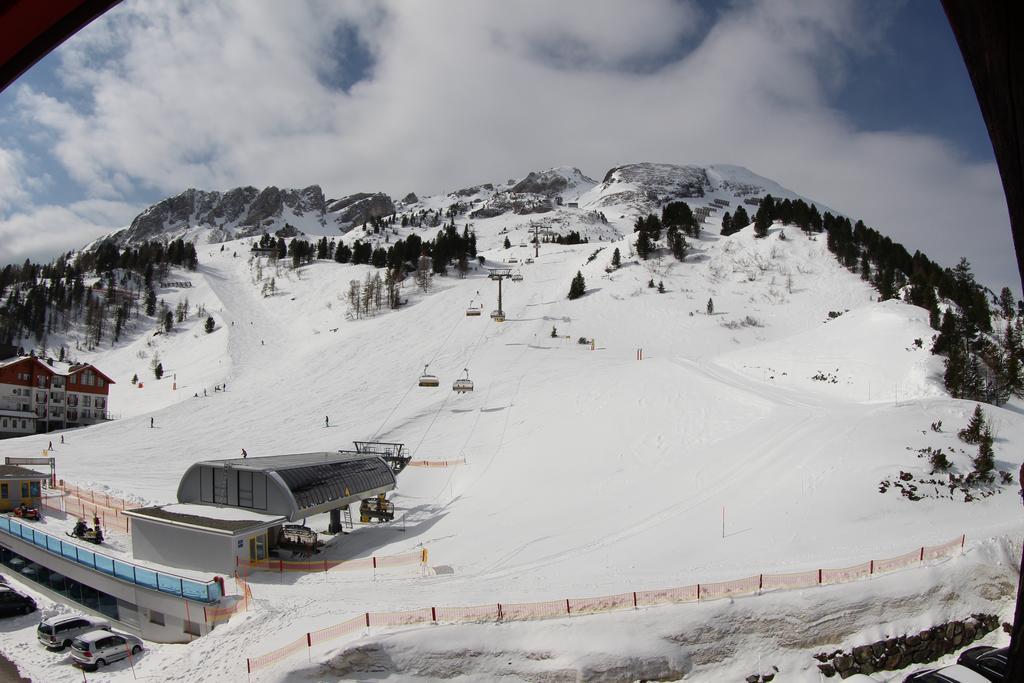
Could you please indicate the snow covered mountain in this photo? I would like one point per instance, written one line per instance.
(246, 211)
(212, 217)
(589, 471)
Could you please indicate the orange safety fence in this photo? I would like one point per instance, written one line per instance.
(330, 633)
(467, 615)
(436, 463)
(108, 520)
(728, 589)
(894, 563)
(254, 664)
(88, 495)
(666, 596)
(854, 573)
(418, 557)
(499, 612)
(790, 581)
(217, 615)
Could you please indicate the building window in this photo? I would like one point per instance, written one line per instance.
(156, 617)
(24, 424)
(87, 401)
(73, 379)
(99, 382)
(34, 489)
(5, 423)
(4, 490)
(24, 489)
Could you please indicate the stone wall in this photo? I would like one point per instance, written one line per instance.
(900, 652)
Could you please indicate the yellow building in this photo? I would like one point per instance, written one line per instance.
(20, 485)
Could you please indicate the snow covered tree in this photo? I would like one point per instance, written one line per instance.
(210, 324)
(726, 224)
(168, 321)
(150, 302)
(508, 245)
(616, 259)
(578, 286)
(423, 274)
(661, 287)
(975, 428)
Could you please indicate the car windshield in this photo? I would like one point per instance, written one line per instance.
(46, 628)
(80, 644)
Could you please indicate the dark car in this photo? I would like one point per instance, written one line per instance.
(955, 673)
(990, 662)
(13, 602)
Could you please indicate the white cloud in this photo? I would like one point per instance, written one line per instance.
(220, 94)
(42, 232)
(13, 178)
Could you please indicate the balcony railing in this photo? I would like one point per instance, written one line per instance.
(201, 591)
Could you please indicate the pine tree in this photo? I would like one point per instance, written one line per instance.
(1007, 303)
(210, 324)
(135, 379)
(711, 307)
(726, 224)
(578, 286)
(168, 321)
(985, 461)
(643, 244)
(616, 259)
(740, 219)
(661, 287)
(158, 371)
(975, 428)
(761, 223)
(508, 245)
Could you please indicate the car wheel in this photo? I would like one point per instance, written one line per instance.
(65, 644)
(100, 662)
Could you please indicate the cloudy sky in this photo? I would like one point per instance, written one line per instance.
(864, 106)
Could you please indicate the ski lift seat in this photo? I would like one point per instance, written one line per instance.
(429, 381)
(472, 312)
(517, 278)
(463, 384)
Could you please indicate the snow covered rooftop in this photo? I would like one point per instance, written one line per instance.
(221, 519)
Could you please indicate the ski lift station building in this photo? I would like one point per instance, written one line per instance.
(232, 511)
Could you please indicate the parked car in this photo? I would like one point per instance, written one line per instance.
(99, 648)
(58, 632)
(13, 602)
(992, 663)
(955, 673)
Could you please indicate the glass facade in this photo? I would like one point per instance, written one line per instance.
(84, 595)
(201, 591)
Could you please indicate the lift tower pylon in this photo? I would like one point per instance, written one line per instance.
(499, 274)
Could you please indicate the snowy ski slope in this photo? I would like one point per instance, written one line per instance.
(589, 471)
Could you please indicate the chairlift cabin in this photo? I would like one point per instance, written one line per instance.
(463, 384)
(428, 380)
(472, 310)
(513, 260)
(517, 277)
(528, 261)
